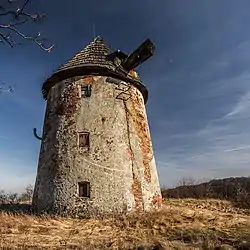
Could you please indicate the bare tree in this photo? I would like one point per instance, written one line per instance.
(13, 16)
(186, 181)
(26, 196)
(12, 198)
(3, 197)
(190, 181)
(3, 88)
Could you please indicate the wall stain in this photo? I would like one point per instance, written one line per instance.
(136, 185)
(137, 192)
(68, 103)
(142, 131)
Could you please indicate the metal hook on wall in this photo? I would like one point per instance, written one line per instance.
(35, 134)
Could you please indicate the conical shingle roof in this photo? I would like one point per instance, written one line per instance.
(92, 55)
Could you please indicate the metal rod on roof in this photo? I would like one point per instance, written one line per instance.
(94, 30)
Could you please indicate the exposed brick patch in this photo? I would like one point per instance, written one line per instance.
(130, 153)
(157, 200)
(136, 185)
(142, 131)
(87, 80)
(137, 192)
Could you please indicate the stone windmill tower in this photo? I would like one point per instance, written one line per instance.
(96, 154)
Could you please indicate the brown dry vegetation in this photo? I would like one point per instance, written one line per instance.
(182, 224)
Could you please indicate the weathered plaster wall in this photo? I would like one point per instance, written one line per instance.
(119, 164)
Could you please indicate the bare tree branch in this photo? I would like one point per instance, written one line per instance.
(14, 18)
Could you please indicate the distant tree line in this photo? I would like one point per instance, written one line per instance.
(236, 190)
(14, 198)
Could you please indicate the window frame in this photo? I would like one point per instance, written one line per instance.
(87, 134)
(85, 91)
(83, 189)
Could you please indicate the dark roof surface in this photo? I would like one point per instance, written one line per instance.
(93, 54)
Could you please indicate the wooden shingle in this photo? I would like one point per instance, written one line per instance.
(92, 55)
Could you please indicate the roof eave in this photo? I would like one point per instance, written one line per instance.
(93, 70)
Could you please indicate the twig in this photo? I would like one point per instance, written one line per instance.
(14, 21)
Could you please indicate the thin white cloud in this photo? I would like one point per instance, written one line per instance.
(242, 107)
(213, 165)
(224, 143)
(246, 147)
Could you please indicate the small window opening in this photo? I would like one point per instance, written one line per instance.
(86, 91)
(83, 139)
(84, 189)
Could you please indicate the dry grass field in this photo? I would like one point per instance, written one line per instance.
(182, 224)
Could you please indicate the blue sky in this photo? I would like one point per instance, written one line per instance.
(198, 82)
